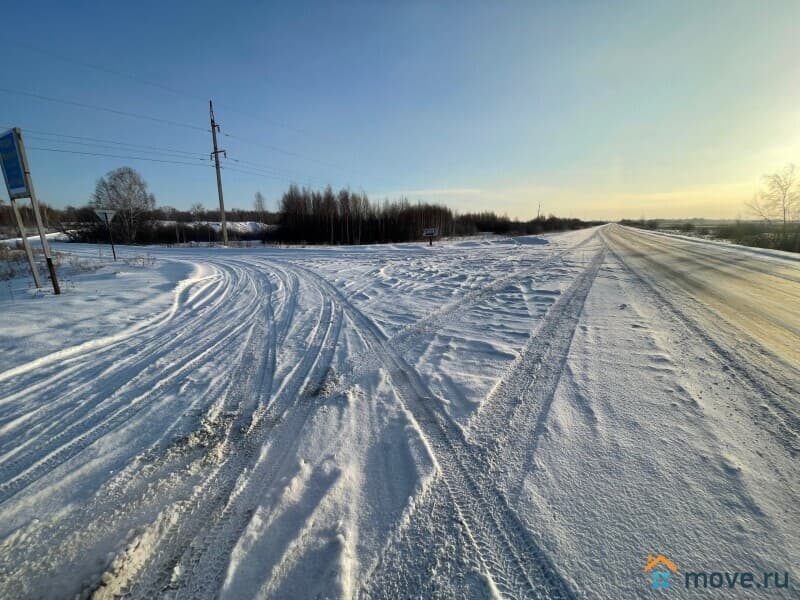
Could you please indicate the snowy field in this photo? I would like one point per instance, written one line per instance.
(527, 417)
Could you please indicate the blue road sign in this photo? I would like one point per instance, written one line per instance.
(11, 161)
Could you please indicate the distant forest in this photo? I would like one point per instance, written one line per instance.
(325, 217)
(305, 216)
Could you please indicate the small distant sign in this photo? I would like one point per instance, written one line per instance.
(430, 232)
(105, 215)
(12, 162)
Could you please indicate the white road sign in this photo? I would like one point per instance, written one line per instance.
(105, 215)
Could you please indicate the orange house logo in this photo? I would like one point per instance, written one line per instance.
(660, 568)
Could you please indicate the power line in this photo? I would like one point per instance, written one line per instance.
(272, 170)
(251, 168)
(186, 156)
(281, 150)
(102, 109)
(157, 160)
(154, 84)
(115, 142)
(173, 90)
(87, 65)
(272, 176)
(160, 120)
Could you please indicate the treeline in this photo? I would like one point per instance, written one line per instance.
(346, 217)
(164, 225)
(324, 217)
(305, 216)
(86, 213)
(472, 223)
(651, 224)
(8, 225)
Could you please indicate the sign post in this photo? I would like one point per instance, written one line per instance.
(430, 233)
(24, 235)
(19, 182)
(107, 216)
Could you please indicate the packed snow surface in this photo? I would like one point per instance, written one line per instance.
(518, 417)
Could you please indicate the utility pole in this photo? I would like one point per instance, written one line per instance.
(215, 154)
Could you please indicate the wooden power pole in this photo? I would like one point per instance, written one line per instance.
(215, 154)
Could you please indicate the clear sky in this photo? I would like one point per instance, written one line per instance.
(597, 110)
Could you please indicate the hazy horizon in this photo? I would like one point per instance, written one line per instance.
(654, 110)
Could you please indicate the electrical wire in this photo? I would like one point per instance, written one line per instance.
(102, 109)
(160, 120)
(116, 147)
(115, 142)
(281, 150)
(142, 80)
(275, 177)
(272, 170)
(250, 167)
(157, 160)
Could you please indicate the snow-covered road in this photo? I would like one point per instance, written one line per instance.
(524, 417)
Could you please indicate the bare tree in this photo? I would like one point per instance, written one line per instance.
(260, 206)
(198, 210)
(125, 191)
(781, 198)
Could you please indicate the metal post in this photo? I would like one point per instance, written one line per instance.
(110, 239)
(47, 255)
(36, 215)
(215, 154)
(25, 244)
(45, 246)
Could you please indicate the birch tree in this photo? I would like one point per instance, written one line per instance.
(125, 191)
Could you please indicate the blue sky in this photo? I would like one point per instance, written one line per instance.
(600, 110)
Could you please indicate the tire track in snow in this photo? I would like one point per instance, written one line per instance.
(528, 388)
(523, 395)
(193, 551)
(174, 531)
(406, 337)
(177, 525)
(114, 405)
(161, 473)
(506, 550)
(120, 360)
(54, 364)
(205, 567)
